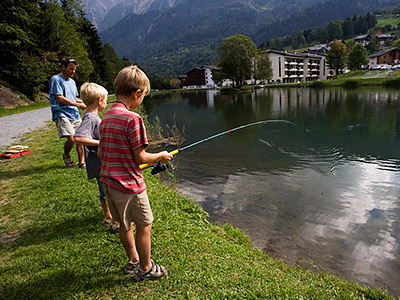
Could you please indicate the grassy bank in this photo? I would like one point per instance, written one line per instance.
(53, 245)
(361, 78)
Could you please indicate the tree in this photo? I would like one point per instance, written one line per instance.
(336, 56)
(396, 9)
(335, 31)
(358, 56)
(372, 47)
(235, 57)
(360, 25)
(66, 39)
(95, 48)
(348, 28)
(370, 20)
(22, 63)
(262, 67)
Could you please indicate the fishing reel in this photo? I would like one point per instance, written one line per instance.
(158, 168)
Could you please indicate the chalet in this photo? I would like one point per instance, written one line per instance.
(319, 49)
(363, 39)
(384, 38)
(390, 56)
(322, 48)
(298, 67)
(200, 77)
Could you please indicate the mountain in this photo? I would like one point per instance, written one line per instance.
(106, 13)
(171, 39)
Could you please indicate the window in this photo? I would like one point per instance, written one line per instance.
(280, 72)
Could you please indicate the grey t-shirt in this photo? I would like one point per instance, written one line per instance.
(89, 128)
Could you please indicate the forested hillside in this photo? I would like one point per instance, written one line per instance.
(35, 35)
(171, 41)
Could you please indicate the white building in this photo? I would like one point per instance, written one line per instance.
(290, 67)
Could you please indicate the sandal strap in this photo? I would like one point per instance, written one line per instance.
(149, 274)
(144, 274)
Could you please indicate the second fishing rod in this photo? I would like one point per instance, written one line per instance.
(159, 167)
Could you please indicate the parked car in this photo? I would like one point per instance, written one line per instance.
(396, 67)
(376, 67)
(386, 67)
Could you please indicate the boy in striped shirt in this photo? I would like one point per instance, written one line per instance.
(122, 149)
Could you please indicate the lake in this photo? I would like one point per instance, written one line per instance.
(323, 194)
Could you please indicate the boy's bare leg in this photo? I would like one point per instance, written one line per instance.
(81, 157)
(106, 210)
(128, 241)
(69, 143)
(143, 244)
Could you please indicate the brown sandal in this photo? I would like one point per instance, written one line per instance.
(82, 166)
(69, 163)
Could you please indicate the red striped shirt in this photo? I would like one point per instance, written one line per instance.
(122, 131)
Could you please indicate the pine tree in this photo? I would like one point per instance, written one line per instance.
(66, 40)
(95, 49)
(22, 64)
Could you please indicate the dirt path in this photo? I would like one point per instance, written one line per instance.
(12, 127)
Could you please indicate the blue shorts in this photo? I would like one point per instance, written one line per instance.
(102, 196)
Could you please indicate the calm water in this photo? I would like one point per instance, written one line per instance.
(324, 194)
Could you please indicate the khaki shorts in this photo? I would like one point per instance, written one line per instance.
(126, 208)
(66, 127)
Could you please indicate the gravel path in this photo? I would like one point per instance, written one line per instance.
(13, 126)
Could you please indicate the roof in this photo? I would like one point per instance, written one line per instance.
(384, 36)
(295, 54)
(382, 52)
(362, 37)
(212, 67)
(318, 47)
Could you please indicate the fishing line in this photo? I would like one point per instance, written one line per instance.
(302, 158)
(162, 167)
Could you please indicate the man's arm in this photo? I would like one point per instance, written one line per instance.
(66, 101)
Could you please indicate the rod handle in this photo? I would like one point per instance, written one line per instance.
(144, 166)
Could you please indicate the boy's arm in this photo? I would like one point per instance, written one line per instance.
(80, 140)
(143, 157)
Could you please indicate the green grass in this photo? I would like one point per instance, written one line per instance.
(53, 245)
(387, 21)
(20, 109)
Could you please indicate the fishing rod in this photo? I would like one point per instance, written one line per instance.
(159, 167)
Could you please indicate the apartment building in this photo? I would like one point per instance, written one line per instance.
(291, 67)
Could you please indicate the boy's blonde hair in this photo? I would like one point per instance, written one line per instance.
(129, 80)
(91, 92)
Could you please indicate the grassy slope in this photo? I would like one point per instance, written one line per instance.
(54, 247)
(383, 21)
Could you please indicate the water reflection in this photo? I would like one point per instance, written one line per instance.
(323, 194)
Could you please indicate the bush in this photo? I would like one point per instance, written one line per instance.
(317, 84)
(393, 82)
(351, 83)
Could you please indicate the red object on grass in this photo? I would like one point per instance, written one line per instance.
(14, 155)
